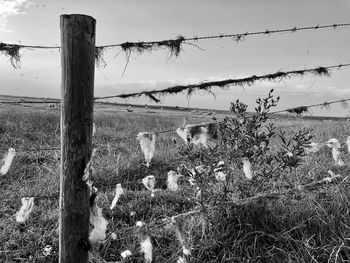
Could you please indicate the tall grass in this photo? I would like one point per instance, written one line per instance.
(309, 226)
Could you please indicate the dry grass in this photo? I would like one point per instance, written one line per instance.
(306, 227)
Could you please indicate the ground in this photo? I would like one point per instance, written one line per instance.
(309, 226)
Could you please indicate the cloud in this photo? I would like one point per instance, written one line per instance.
(10, 8)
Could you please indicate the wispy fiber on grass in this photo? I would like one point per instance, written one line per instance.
(11, 51)
(207, 86)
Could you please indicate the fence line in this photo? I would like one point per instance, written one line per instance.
(173, 45)
(237, 36)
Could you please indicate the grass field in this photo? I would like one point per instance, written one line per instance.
(308, 226)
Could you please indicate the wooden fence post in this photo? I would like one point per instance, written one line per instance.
(78, 66)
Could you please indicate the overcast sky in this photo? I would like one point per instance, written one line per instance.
(37, 23)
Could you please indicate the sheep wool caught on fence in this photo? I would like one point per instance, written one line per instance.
(247, 168)
(172, 180)
(220, 175)
(335, 146)
(204, 134)
(148, 145)
(7, 161)
(98, 222)
(147, 249)
(119, 191)
(26, 209)
(126, 253)
(149, 182)
(348, 143)
(93, 129)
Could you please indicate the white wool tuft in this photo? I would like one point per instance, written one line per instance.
(172, 181)
(146, 248)
(340, 163)
(220, 176)
(119, 191)
(149, 182)
(336, 155)
(93, 129)
(98, 233)
(247, 168)
(202, 137)
(333, 143)
(113, 236)
(221, 163)
(186, 251)
(348, 143)
(7, 161)
(148, 145)
(126, 253)
(183, 133)
(198, 134)
(181, 260)
(47, 250)
(26, 209)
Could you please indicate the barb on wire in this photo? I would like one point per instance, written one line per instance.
(207, 86)
(173, 45)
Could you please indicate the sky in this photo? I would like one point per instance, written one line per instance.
(37, 23)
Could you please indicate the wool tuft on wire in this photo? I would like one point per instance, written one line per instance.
(147, 249)
(7, 161)
(26, 209)
(172, 181)
(12, 51)
(247, 168)
(298, 110)
(199, 134)
(312, 147)
(149, 182)
(335, 146)
(119, 191)
(147, 143)
(98, 222)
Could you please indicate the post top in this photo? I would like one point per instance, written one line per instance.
(67, 16)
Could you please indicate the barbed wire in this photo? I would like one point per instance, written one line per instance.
(173, 45)
(207, 86)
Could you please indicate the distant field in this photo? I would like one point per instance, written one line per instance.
(307, 227)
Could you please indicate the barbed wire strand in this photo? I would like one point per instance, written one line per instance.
(206, 86)
(197, 38)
